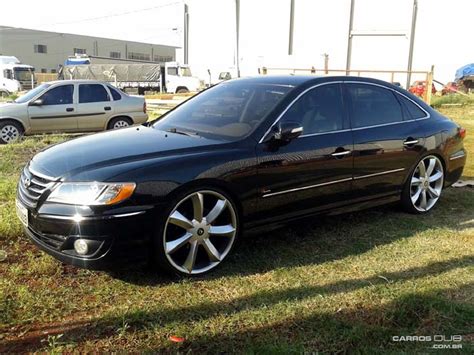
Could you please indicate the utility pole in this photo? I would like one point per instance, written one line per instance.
(326, 63)
(292, 23)
(349, 38)
(237, 34)
(412, 43)
(186, 34)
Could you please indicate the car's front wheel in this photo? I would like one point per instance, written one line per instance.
(197, 233)
(10, 131)
(424, 186)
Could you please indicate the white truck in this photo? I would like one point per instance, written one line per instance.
(132, 75)
(15, 76)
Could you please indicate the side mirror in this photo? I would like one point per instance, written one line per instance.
(37, 102)
(288, 131)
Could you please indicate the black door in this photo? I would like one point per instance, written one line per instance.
(387, 138)
(313, 171)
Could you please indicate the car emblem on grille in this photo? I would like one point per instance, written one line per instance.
(26, 183)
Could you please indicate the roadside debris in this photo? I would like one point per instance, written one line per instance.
(464, 183)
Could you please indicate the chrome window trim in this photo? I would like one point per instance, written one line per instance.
(323, 133)
(270, 194)
(396, 92)
(291, 104)
(428, 115)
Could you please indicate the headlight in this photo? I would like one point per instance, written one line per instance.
(91, 193)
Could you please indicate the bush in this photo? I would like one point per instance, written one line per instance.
(437, 102)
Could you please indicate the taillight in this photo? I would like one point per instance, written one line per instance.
(144, 107)
(462, 133)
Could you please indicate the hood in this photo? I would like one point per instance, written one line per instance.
(12, 109)
(113, 148)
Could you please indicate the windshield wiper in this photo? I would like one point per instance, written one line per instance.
(184, 133)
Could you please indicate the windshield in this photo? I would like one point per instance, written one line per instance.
(185, 71)
(228, 111)
(22, 74)
(32, 93)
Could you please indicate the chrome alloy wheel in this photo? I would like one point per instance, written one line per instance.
(426, 183)
(9, 133)
(120, 124)
(200, 232)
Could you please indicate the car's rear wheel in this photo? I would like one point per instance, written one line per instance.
(10, 131)
(424, 186)
(197, 232)
(119, 122)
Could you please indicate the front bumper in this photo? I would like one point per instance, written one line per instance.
(114, 240)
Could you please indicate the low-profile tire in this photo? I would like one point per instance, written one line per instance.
(10, 131)
(119, 122)
(196, 232)
(424, 185)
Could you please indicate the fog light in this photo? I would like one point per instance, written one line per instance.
(81, 247)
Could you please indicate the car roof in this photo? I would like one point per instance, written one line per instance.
(304, 80)
(76, 81)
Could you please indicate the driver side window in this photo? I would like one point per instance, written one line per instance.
(60, 95)
(320, 110)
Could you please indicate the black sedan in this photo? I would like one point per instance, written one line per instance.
(240, 156)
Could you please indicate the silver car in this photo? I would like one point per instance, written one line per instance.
(70, 106)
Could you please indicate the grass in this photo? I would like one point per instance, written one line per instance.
(335, 284)
(452, 99)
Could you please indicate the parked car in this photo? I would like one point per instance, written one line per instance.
(418, 88)
(450, 88)
(69, 106)
(243, 155)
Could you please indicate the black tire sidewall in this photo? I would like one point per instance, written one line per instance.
(18, 126)
(114, 120)
(158, 255)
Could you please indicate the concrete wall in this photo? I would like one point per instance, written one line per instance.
(20, 43)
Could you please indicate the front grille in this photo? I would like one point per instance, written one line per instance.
(31, 187)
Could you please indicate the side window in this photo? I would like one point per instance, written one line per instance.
(115, 93)
(320, 110)
(413, 109)
(92, 93)
(373, 105)
(172, 71)
(60, 95)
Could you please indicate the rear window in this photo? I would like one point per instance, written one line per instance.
(115, 93)
(92, 93)
(414, 111)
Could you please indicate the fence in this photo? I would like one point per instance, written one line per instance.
(388, 75)
(44, 77)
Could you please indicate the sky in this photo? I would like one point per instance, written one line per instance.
(321, 26)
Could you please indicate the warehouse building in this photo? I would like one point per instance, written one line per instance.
(47, 50)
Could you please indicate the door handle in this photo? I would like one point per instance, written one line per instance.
(410, 142)
(341, 154)
(107, 108)
(69, 109)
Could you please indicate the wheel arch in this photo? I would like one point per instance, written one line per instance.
(436, 153)
(118, 116)
(223, 185)
(3, 119)
(181, 87)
